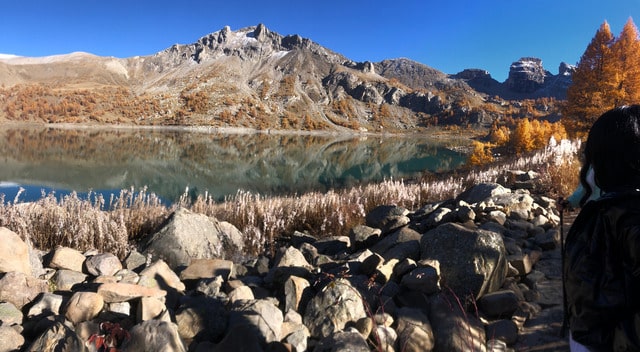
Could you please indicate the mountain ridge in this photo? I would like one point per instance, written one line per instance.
(254, 77)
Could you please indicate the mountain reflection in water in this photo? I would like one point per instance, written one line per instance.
(168, 161)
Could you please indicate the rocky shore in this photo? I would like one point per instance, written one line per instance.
(480, 272)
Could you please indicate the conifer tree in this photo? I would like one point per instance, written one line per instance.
(593, 82)
(522, 139)
(626, 49)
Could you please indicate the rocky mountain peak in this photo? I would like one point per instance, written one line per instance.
(526, 75)
(566, 70)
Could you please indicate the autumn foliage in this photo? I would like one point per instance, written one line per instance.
(607, 76)
(518, 137)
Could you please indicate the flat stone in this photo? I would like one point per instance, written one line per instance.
(206, 269)
(67, 258)
(160, 275)
(119, 292)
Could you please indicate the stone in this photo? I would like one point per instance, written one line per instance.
(241, 293)
(424, 279)
(10, 339)
(364, 326)
(211, 287)
(14, 253)
(465, 213)
(497, 216)
(482, 192)
(67, 258)
(119, 292)
(363, 236)
(65, 279)
(186, 236)
(524, 262)
(296, 336)
(386, 338)
(384, 274)
(387, 218)
(298, 238)
(150, 308)
(289, 261)
(9, 314)
(207, 269)
(499, 303)
(83, 306)
(437, 217)
(127, 276)
(123, 308)
(332, 308)
(135, 261)
(343, 341)
(516, 205)
(472, 262)
(154, 335)
(233, 240)
(291, 256)
(455, 329)
(58, 338)
(202, 316)
(297, 292)
(105, 264)
(46, 304)
(548, 240)
(371, 263)
(20, 289)
(404, 266)
(240, 338)
(332, 245)
(160, 275)
(404, 243)
(414, 330)
(504, 330)
(262, 317)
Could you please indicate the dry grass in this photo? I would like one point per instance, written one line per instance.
(115, 226)
(84, 223)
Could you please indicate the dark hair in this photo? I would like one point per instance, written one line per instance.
(613, 150)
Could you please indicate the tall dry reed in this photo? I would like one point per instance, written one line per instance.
(84, 223)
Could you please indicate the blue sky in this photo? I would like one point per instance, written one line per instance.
(447, 35)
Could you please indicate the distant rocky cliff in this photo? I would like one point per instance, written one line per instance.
(527, 79)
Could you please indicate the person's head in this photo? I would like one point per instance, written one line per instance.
(613, 150)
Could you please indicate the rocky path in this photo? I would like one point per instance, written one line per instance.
(543, 332)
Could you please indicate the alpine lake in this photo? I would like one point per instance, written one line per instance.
(38, 159)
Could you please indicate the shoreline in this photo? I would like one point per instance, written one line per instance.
(433, 132)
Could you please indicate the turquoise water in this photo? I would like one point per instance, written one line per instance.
(40, 159)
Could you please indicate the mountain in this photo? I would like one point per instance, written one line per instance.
(257, 78)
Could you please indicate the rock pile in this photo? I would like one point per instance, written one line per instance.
(451, 276)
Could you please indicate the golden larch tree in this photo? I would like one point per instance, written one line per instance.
(593, 82)
(626, 50)
(522, 138)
